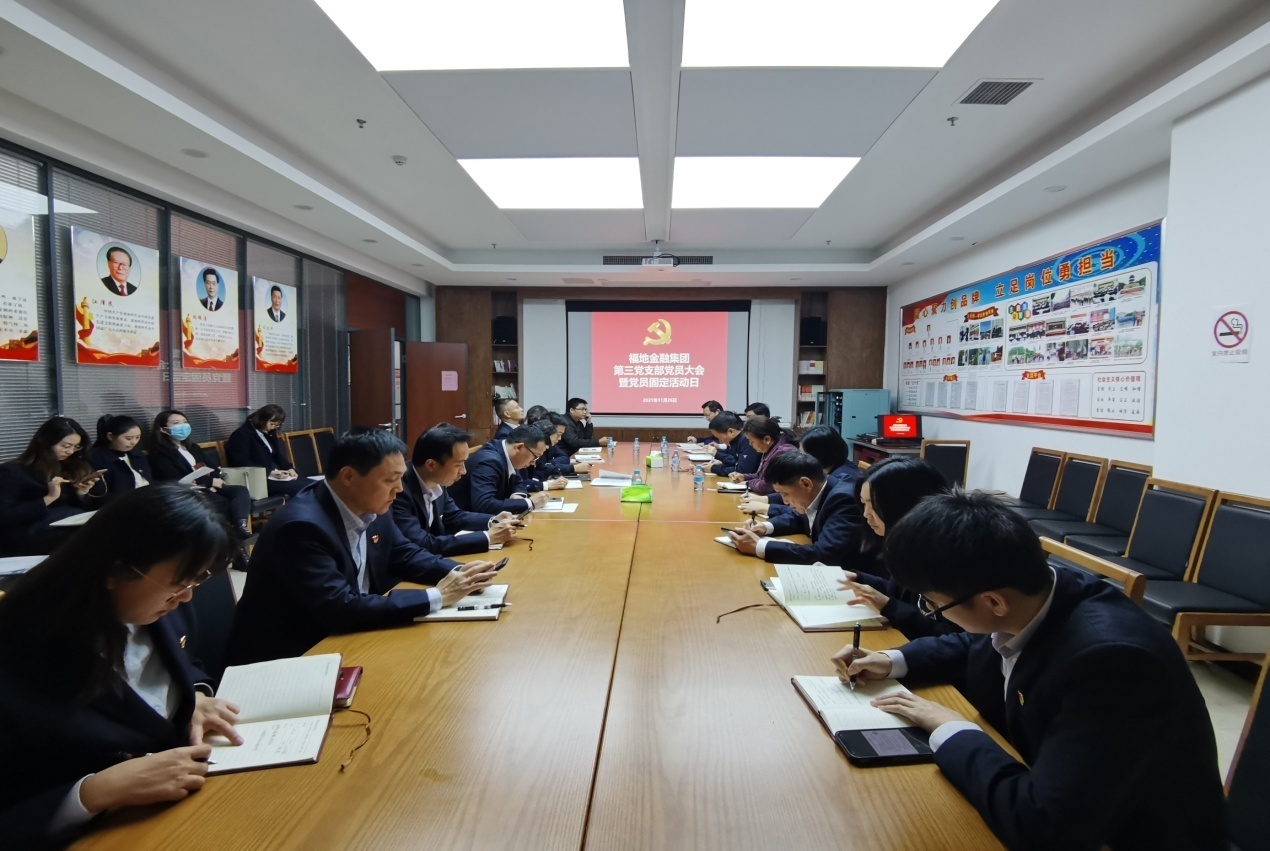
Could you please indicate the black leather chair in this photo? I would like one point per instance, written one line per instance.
(1249, 777)
(1040, 480)
(950, 457)
(1230, 585)
(1132, 583)
(260, 508)
(325, 440)
(1079, 482)
(304, 454)
(1113, 515)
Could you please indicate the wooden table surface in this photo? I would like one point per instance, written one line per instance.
(604, 710)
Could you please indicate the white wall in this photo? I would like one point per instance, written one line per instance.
(998, 453)
(1219, 209)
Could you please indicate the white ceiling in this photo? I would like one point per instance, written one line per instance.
(273, 90)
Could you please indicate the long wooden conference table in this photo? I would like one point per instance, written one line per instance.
(606, 709)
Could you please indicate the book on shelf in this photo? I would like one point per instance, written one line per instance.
(505, 391)
(285, 710)
(807, 392)
(505, 366)
(809, 594)
(806, 419)
(811, 367)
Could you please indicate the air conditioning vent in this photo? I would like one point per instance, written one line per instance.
(583, 281)
(638, 259)
(995, 92)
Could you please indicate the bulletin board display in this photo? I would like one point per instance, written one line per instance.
(1068, 342)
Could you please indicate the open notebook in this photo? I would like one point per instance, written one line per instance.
(611, 479)
(285, 712)
(809, 593)
(488, 596)
(840, 708)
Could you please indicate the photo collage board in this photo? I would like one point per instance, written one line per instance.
(1069, 342)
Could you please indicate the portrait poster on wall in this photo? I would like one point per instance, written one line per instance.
(276, 338)
(209, 315)
(19, 322)
(1068, 342)
(116, 300)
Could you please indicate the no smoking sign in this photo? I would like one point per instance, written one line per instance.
(1231, 328)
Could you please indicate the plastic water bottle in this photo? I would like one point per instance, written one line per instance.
(674, 461)
(698, 478)
(636, 445)
(612, 448)
(636, 479)
(665, 447)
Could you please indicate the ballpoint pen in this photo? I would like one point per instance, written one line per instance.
(855, 648)
(482, 608)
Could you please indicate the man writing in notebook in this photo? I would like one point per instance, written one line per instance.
(1095, 696)
(825, 511)
(327, 559)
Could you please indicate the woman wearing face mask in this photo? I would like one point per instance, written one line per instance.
(98, 698)
(50, 481)
(256, 443)
(887, 491)
(117, 451)
(174, 455)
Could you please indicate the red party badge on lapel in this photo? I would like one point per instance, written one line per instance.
(374, 539)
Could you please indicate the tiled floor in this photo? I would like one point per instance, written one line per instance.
(1228, 698)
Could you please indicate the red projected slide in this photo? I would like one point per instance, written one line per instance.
(658, 363)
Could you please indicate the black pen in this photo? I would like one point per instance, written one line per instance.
(481, 608)
(855, 648)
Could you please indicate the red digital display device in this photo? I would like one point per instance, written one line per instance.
(899, 427)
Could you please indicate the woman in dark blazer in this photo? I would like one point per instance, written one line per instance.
(174, 455)
(98, 700)
(256, 443)
(51, 480)
(117, 452)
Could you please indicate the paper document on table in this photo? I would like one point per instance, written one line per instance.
(195, 476)
(841, 708)
(726, 541)
(287, 741)
(611, 479)
(694, 456)
(573, 485)
(733, 487)
(282, 688)
(559, 506)
(75, 519)
(14, 565)
(492, 595)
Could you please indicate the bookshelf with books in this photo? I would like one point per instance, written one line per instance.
(809, 378)
(505, 360)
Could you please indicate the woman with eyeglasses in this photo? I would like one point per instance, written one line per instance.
(174, 455)
(117, 451)
(769, 440)
(256, 443)
(887, 491)
(50, 481)
(99, 702)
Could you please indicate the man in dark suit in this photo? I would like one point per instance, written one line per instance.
(427, 515)
(327, 559)
(732, 451)
(493, 483)
(119, 267)
(275, 304)
(826, 511)
(510, 414)
(1095, 696)
(824, 444)
(211, 282)
(580, 433)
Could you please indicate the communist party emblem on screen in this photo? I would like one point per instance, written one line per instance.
(661, 333)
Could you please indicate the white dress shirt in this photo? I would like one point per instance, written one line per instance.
(355, 526)
(431, 493)
(1009, 646)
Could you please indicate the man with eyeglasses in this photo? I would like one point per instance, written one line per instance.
(493, 484)
(579, 433)
(1094, 694)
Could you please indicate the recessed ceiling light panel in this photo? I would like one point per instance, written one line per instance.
(559, 183)
(757, 182)
(441, 35)
(827, 33)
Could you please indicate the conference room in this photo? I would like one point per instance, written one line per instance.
(646, 353)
